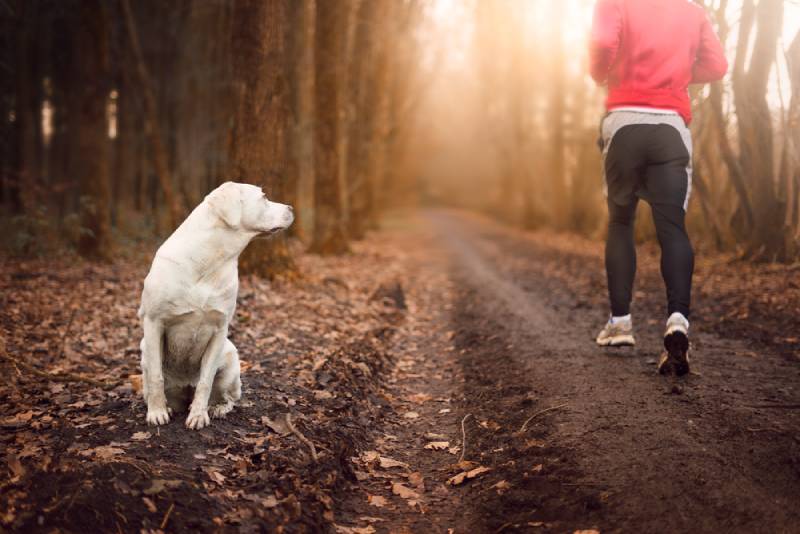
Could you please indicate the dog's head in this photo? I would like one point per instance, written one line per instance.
(246, 207)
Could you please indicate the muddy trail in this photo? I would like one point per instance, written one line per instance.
(446, 376)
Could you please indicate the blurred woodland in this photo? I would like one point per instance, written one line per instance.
(118, 116)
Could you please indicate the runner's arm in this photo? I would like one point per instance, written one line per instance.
(604, 41)
(710, 65)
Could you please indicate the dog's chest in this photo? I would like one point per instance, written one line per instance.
(186, 338)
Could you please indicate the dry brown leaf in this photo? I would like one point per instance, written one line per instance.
(15, 467)
(158, 485)
(417, 480)
(322, 394)
(216, 476)
(269, 501)
(388, 463)
(402, 491)
(136, 383)
(465, 465)
(151, 506)
(432, 436)
(370, 456)
(467, 475)
(141, 436)
(437, 445)
(103, 452)
(501, 486)
(419, 398)
(278, 426)
(341, 529)
(376, 500)
(411, 415)
(537, 468)
(589, 531)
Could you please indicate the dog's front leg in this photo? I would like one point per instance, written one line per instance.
(153, 372)
(198, 412)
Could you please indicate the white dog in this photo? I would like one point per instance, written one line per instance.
(188, 301)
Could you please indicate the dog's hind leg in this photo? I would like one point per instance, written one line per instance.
(227, 388)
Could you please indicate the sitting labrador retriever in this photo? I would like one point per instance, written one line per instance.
(188, 301)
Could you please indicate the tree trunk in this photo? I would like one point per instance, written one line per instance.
(260, 149)
(152, 129)
(27, 106)
(92, 146)
(756, 131)
(329, 232)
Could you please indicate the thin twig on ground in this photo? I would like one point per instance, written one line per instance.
(166, 516)
(537, 414)
(463, 438)
(61, 377)
(301, 437)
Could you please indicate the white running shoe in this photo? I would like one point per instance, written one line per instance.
(616, 334)
(675, 358)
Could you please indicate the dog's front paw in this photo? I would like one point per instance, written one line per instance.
(157, 416)
(197, 419)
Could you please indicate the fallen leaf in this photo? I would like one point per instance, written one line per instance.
(537, 468)
(136, 383)
(21, 417)
(437, 445)
(404, 492)
(322, 394)
(590, 531)
(151, 506)
(103, 452)
(369, 519)
(432, 436)
(370, 456)
(419, 398)
(376, 500)
(417, 480)
(269, 502)
(411, 415)
(340, 529)
(501, 486)
(278, 426)
(388, 463)
(15, 467)
(216, 476)
(467, 475)
(444, 410)
(318, 363)
(141, 436)
(465, 465)
(158, 485)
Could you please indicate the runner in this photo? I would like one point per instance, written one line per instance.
(648, 52)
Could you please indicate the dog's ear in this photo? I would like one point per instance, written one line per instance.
(226, 202)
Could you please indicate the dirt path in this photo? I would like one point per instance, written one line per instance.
(612, 445)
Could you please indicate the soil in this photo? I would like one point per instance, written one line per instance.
(447, 376)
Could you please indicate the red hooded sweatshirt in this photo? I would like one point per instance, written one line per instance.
(649, 51)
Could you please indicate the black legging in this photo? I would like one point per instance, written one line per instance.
(649, 162)
(677, 256)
